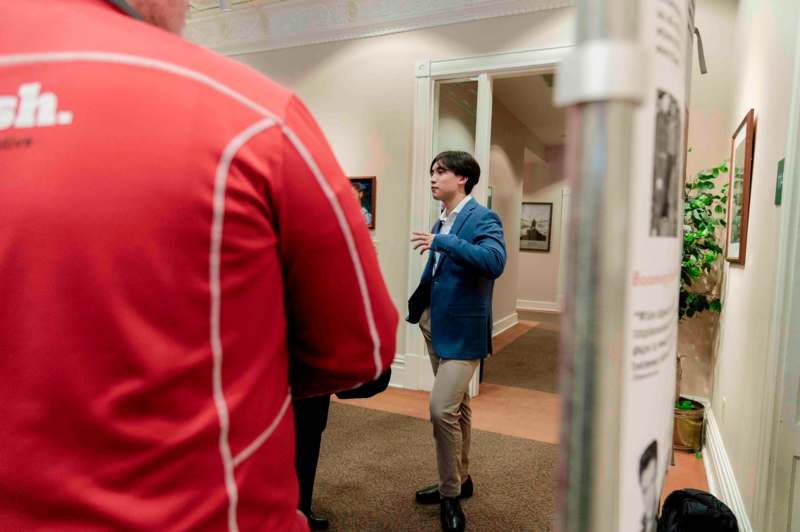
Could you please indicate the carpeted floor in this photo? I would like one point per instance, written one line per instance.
(372, 462)
(530, 361)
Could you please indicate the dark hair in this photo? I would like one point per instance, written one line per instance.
(462, 164)
(649, 455)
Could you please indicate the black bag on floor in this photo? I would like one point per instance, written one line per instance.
(691, 510)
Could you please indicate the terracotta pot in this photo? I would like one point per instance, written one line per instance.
(687, 434)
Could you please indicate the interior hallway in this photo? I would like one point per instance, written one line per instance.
(376, 452)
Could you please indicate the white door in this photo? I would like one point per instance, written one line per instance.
(782, 498)
(461, 116)
(783, 505)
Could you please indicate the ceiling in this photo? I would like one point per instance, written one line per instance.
(530, 99)
(244, 26)
(197, 7)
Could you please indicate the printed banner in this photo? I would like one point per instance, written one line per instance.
(666, 29)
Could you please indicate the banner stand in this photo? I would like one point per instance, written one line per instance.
(626, 87)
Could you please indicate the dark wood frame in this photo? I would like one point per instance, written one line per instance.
(549, 226)
(749, 124)
(373, 184)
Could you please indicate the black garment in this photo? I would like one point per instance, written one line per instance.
(368, 389)
(310, 419)
(690, 510)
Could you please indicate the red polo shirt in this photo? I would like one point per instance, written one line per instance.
(175, 235)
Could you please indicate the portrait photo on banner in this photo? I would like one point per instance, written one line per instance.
(666, 165)
(365, 189)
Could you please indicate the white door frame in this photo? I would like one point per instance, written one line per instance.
(773, 484)
(417, 374)
(562, 260)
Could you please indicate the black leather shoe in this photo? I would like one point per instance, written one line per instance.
(452, 517)
(430, 495)
(317, 522)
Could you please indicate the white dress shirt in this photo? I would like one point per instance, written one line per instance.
(447, 224)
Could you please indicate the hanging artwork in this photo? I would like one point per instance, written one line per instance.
(535, 225)
(366, 192)
(741, 171)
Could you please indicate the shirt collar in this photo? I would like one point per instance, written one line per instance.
(443, 217)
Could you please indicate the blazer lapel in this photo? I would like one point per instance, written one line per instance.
(463, 215)
(428, 271)
(457, 225)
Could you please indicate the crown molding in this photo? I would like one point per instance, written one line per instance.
(292, 23)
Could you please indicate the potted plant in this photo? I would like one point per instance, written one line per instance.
(704, 209)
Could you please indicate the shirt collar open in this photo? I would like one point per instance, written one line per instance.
(443, 217)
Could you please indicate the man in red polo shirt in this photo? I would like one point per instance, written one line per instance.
(178, 249)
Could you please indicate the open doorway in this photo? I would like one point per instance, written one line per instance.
(522, 160)
(529, 194)
(463, 89)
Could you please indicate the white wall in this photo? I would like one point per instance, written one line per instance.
(539, 271)
(764, 45)
(712, 94)
(506, 167)
(455, 126)
(455, 129)
(362, 94)
(710, 113)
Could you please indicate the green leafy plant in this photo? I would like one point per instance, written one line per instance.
(704, 210)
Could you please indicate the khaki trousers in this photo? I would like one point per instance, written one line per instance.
(451, 414)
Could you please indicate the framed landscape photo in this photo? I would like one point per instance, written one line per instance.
(535, 225)
(741, 172)
(366, 191)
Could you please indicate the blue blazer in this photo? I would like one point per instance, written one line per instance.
(460, 293)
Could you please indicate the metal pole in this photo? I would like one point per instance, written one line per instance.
(593, 333)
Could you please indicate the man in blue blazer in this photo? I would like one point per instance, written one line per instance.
(453, 306)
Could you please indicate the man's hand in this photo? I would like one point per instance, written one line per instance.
(421, 241)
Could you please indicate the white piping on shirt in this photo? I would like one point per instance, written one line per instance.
(135, 60)
(264, 436)
(351, 244)
(155, 64)
(220, 182)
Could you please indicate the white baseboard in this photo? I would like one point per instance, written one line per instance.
(539, 306)
(398, 379)
(503, 324)
(415, 373)
(721, 480)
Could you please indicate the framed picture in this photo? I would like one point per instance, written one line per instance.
(366, 191)
(741, 172)
(535, 225)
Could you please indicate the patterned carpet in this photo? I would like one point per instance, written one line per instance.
(372, 462)
(530, 361)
